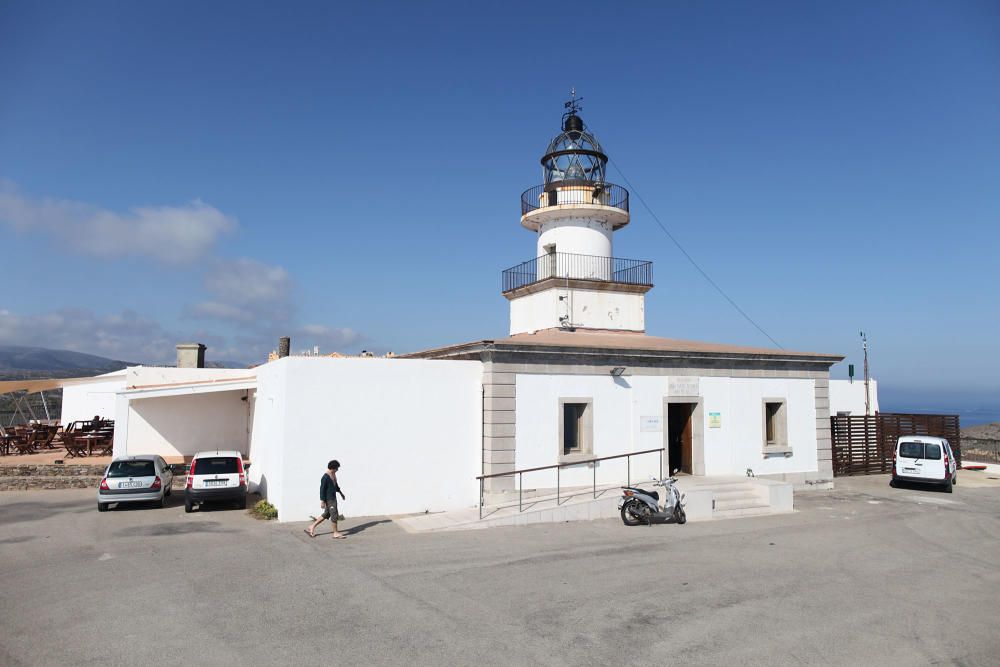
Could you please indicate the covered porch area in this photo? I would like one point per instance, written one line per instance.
(178, 420)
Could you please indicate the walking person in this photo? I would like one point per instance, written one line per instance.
(328, 490)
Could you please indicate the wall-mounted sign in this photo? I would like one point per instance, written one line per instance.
(650, 424)
(715, 420)
(682, 386)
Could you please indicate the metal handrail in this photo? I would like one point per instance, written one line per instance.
(574, 192)
(579, 267)
(559, 466)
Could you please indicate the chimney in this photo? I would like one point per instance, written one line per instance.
(190, 355)
(284, 346)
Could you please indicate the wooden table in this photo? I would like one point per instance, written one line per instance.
(91, 441)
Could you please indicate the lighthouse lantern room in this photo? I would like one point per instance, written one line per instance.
(575, 281)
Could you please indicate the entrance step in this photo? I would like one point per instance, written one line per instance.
(705, 499)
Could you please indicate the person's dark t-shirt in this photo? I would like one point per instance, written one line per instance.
(328, 488)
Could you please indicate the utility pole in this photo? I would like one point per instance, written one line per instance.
(864, 342)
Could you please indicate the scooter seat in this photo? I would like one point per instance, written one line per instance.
(652, 494)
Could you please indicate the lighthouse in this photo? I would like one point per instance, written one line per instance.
(574, 280)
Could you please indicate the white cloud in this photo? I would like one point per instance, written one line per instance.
(172, 234)
(328, 338)
(252, 300)
(246, 291)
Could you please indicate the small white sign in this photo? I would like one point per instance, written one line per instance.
(650, 424)
(682, 386)
(715, 420)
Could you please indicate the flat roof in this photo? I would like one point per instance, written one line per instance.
(622, 341)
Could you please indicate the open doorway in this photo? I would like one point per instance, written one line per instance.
(680, 436)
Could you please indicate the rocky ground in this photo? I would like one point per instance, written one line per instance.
(982, 431)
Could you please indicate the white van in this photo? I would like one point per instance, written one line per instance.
(924, 459)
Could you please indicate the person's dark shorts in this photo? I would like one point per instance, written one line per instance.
(331, 510)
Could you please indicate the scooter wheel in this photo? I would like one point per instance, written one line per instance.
(629, 517)
(679, 515)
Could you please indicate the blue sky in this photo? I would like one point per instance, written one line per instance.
(350, 173)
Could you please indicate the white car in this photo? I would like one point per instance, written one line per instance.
(135, 479)
(924, 459)
(216, 476)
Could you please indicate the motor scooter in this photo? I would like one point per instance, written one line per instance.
(642, 505)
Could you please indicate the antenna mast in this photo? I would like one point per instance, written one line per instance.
(864, 341)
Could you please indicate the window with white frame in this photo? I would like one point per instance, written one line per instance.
(575, 427)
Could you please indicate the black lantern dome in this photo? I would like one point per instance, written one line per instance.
(574, 155)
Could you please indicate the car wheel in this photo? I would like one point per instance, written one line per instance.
(162, 502)
(949, 486)
(188, 506)
(242, 503)
(892, 483)
(102, 507)
(954, 479)
(167, 492)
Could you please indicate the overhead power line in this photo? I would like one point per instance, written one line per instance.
(684, 252)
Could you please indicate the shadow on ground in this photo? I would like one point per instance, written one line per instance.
(169, 529)
(34, 511)
(354, 530)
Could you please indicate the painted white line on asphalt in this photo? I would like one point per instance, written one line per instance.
(934, 501)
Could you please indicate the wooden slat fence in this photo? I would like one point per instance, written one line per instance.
(864, 445)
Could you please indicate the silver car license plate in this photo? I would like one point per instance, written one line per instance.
(130, 485)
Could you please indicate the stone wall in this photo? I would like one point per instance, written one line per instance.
(26, 477)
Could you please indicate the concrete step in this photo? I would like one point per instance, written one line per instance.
(738, 503)
(735, 513)
(750, 494)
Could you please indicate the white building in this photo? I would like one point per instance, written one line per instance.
(576, 379)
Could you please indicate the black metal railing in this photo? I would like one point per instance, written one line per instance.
(574, 192)
(579, 267)
(558, 468)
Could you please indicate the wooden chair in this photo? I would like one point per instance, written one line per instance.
(24, 443)
(45, 438)
(107, 446)
(5, 441)
(74, 446)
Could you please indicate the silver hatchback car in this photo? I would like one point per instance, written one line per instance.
(135, 479)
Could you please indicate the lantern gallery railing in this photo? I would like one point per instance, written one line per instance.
(579, 267)
(574, 192)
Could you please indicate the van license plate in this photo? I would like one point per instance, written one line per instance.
(215, 482)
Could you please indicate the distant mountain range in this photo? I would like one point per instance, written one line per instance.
(18, 361)
(22, 358)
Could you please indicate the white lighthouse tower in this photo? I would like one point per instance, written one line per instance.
(575, 281)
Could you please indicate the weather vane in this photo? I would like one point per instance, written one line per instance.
(574, 104)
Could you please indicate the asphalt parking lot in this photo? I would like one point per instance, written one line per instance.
(862, 574)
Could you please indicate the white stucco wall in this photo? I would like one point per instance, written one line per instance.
(184, 425)
(619, 406)
(145, 376)
(849, 397)
(586, 308)
(83, 401)
(578, 235)
(407, 432)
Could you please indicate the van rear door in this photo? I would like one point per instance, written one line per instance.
(933, 467)
(910, 458)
